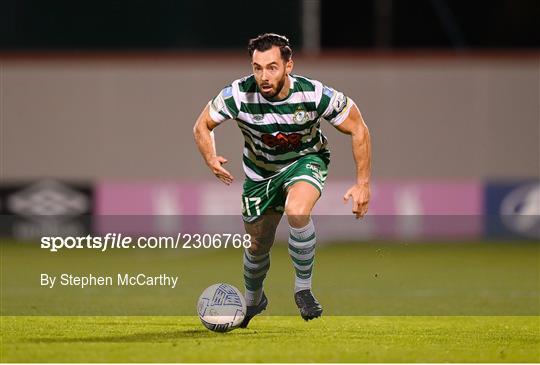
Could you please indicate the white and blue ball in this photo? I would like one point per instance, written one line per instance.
(221, 307)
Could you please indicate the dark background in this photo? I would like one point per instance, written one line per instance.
(211, 25)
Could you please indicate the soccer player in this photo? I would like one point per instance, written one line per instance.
(285, 161)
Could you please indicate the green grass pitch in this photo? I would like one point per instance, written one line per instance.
(384, 302)
(272, 339)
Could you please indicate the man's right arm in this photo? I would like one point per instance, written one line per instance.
(204, 137)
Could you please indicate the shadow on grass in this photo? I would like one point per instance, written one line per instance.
(139, 323)
(162, 336)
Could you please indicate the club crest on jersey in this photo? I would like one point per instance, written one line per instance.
(299, 115)
(283, 142)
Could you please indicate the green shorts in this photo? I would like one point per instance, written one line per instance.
(258, 196)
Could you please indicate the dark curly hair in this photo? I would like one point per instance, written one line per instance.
(268, 40)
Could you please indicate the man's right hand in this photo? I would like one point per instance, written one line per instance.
(215, 165)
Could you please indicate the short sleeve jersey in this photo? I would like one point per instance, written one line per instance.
(277, 133)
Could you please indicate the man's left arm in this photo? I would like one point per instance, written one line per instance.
(355, 126)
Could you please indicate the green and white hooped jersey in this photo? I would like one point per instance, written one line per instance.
(278, 133)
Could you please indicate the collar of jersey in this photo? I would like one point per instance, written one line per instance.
(291, 88)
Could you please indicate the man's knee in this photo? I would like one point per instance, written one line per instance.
(263, 232)
(298, 213)
(301, 198)
(261, 245)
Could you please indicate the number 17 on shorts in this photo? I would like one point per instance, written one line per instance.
(251, 206)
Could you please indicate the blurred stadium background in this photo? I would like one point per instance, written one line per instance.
(98, 100)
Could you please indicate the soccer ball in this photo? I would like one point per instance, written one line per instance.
(221, 307)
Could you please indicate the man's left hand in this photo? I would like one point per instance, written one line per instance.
(360, 194)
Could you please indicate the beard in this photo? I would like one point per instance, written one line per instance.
(274, 91)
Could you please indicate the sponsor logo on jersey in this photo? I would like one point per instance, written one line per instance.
(316, 168)
(283, 141)
(313, 166)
